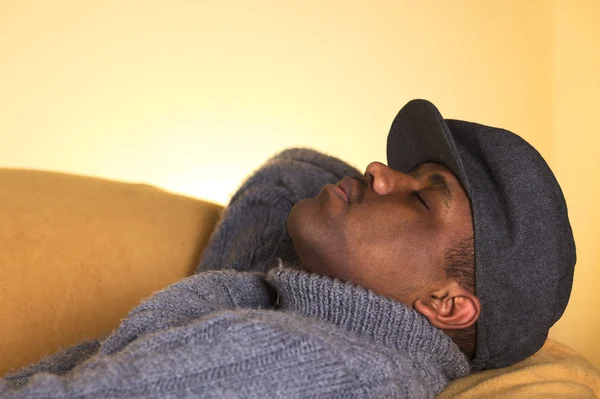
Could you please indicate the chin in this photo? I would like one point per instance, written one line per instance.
(315, 239)
(303, 220)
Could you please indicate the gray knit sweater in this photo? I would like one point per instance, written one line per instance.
(221, 334)
(251, 332)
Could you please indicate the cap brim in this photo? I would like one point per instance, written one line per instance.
(420, 134)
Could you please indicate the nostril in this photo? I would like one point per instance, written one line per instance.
(378, 177)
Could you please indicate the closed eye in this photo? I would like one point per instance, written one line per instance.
(420, 199)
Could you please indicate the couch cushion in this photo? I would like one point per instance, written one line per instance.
(555, 371)
(77, 253)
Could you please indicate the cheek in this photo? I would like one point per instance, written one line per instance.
(387, 230)
(397, 246)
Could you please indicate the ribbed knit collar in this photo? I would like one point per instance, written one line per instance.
(378, 319)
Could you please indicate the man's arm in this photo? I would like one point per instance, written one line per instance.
(238, 353)
(191, 298)
(58, 363)
(252, 231)
(173, 306)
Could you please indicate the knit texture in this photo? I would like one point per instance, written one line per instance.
(218, 334)
(379, 320)
(252, 231)
(59, 363)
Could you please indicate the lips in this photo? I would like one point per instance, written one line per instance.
(347, 186)
(341, 193)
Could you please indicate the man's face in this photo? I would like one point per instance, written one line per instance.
(387, 232)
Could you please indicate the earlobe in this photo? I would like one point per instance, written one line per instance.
(449, 308)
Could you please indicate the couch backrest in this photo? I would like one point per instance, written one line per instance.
(77, 253)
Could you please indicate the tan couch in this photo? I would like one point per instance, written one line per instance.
(77, 253)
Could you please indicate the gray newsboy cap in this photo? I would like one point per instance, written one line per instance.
(524, 246)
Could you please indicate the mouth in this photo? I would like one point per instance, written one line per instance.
(342, 193)
(346, 185)
(336, 191)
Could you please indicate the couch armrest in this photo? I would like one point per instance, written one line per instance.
(77, 253)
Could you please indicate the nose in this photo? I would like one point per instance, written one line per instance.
(385, 180)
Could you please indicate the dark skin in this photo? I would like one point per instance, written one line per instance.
(389, 232)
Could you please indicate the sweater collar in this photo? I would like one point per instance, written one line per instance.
(378, 319)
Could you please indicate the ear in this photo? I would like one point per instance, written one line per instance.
(449, 306)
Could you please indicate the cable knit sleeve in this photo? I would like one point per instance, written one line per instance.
(252, 231)
(189, 299)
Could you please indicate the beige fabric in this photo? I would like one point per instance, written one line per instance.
(77, 253)
(556, 371)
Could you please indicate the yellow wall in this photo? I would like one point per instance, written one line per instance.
(193, 95)
(190, 95)
(576, 160)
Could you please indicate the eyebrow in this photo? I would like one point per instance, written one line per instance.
(440, 183)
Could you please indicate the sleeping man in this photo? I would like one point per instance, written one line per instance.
(320, 281)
